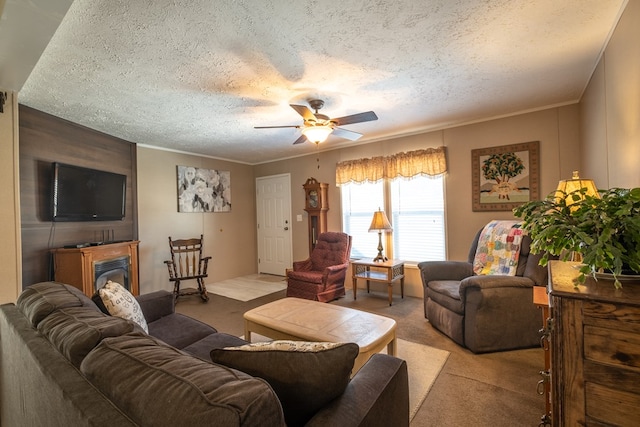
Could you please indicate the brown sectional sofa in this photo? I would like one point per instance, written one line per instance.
(63, 362)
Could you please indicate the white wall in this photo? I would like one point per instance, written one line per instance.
(10, 208)
(229, 237)
(610, 109)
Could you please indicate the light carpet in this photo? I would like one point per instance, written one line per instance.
(424, 364)
(249, 287)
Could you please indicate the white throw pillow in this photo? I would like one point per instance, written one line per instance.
(120, 302)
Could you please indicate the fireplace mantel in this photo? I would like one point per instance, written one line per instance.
(75, 266)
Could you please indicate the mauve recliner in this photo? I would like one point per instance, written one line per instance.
(321, 276)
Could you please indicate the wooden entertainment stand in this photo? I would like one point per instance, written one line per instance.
(75, 266)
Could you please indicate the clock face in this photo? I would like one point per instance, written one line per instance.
(313, 199)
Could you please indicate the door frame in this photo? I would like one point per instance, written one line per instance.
(289, 240)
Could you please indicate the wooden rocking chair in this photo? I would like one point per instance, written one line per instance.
(187, 263)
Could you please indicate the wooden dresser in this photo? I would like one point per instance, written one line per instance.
(595, 350)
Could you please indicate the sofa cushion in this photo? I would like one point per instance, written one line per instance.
(156, 304)
(305, 376)
(120, 302)
(179, 330)
(40, 300)
(202, 348)
(75, 331)
(141, 375)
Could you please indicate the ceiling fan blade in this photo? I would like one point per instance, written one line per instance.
(346, 134)
(300, 140)
(304, 111)
(275, 127)
(355, 118)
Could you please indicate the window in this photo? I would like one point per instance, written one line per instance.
(359, 201)
(416, 214)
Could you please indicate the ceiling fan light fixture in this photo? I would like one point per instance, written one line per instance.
(317, 127)
(317, 134)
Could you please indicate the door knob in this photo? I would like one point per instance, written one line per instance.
(286, 228)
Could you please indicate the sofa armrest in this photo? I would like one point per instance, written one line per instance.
(335, 273)
(378, 395)
(482, 283)
(495, 281)
(156, 304)
(444, 270)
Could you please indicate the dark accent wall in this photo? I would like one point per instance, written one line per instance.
(45, 139)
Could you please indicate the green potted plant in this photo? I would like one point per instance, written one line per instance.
(604, 231)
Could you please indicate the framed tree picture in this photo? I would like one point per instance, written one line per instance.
(505, 177)
(203, 190)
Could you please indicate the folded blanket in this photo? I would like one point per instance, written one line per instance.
(499, 248)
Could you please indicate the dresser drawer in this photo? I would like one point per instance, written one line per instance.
(611, 346)
(610, 406)
(613, 316)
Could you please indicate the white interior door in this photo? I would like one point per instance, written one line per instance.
(273, 202)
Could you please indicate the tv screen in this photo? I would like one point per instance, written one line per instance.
(82, 194)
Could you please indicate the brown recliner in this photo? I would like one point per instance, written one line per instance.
(484, 313)
(321, 276)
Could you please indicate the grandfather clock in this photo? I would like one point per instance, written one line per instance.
(316, 205)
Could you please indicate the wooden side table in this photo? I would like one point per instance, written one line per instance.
(541, 300)
(388, 272)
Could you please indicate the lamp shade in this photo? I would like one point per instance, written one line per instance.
(380, 222)
(317, 134)
(568, 186)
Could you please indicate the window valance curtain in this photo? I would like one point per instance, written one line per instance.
(431, 161)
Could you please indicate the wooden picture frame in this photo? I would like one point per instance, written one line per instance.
(505, 177)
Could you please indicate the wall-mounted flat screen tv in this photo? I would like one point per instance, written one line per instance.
(82, 194)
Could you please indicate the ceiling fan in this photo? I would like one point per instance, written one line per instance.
(317, 127)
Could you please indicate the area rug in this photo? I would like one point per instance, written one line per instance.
(424, 364)
(249, 287)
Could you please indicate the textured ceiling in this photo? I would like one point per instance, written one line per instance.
(198, 75)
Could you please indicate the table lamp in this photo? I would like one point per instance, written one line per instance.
(380, 223)
(567, 188)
